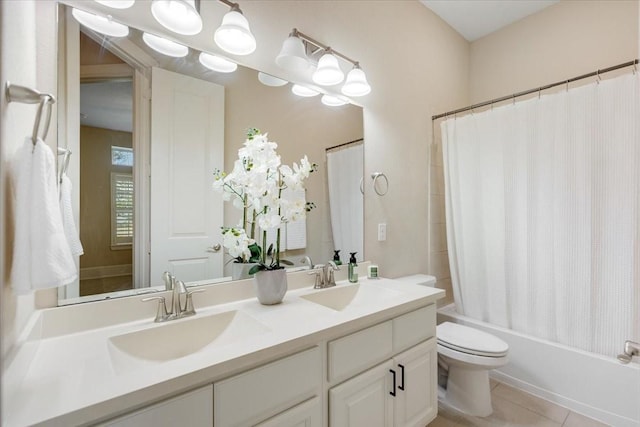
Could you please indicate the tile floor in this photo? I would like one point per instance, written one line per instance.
(513, 407)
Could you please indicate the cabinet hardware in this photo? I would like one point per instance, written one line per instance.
(393, 393)
(401, 387)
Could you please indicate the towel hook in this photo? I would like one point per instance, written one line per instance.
(374, 177)
(46, 102)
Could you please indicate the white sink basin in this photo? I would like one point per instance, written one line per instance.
(180, 338)
(342, 296)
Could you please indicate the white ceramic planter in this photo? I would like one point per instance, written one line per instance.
(240, 271)
(270, 286)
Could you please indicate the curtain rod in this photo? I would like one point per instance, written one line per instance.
(541, 88)
(343, 144)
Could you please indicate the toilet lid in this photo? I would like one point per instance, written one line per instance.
(469, 340)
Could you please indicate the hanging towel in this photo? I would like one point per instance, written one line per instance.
(41, 256)
(66, 211)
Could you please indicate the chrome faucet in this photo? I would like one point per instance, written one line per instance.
(324, 275)
(307, 260)
(630, 349)
(177, 288)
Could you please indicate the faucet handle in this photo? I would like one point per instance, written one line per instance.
(161, 313)
(318, 278)
(188, 308)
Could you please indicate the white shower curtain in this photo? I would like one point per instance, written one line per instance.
(543, 212)
(344, 174)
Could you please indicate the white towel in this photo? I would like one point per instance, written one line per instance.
(41, 254)
(66, 211)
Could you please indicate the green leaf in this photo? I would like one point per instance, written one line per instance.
(285, 262)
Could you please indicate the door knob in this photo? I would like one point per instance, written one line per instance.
(214, 248)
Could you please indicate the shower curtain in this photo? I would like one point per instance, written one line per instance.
(344, 174)
(543, 212)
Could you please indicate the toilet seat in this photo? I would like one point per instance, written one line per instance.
(470, 341)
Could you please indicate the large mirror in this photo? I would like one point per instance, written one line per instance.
(152, 129)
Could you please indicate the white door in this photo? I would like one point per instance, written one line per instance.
(187, 145)
(417, 404)
(363, 401)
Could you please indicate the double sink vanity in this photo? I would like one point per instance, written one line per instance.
(359, 354)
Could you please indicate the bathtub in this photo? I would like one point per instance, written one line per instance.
(596, 386)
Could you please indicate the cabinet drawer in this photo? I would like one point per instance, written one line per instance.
(414, 327)
(195, 406)
(263, 392)
(359, 351)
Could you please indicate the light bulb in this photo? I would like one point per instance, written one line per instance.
(303, 91)
(269, 80)
(164, 46)
(292, 56)
(179, 16)
(101, 24)
(328, 72)
(334, 101)
(117, 4)
(356, 84)
(234, 35)
(217, 63)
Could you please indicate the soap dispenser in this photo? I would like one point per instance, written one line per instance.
(336, 257)
(353, 268)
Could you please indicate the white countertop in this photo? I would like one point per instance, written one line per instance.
(67, 375)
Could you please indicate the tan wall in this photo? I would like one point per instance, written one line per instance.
(562, 41)
(300, 126)
(95, 196)
(565, 40)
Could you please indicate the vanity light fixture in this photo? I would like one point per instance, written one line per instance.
(300, 52)
(179, 16)
(356, 84)
(269, 80)
(293, 55)
(165, 46)
(328, 72)
(334, 101)
(117, 4)
(101, 24)
(234, 35)
(217, 63)
(303, 91)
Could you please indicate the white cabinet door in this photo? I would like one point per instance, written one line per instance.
(416, 371)
(187, 145)
(195, 408)
(363, 401)
(306, 414)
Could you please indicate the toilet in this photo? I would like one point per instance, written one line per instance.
(465, 356)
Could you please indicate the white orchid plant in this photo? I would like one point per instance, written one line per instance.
(255, 185)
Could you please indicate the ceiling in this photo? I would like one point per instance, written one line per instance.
(474, 19)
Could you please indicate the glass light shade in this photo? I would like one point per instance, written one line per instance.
(216, 63)
(179, 16)
(333, 101)
(117, 4)
(356, 84)
(234, 35)
(328, 72)
(269, 80)
(292, 56)
(164, 46)
(303, 91)
(101, 24)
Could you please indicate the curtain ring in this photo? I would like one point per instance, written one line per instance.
(374, 177)
(362, 185)
(599, 78)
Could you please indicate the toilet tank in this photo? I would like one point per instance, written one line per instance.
(418, 279)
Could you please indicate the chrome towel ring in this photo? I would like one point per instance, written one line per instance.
(374, 177)
(25, 95)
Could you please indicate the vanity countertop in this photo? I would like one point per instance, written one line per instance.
(80, 377)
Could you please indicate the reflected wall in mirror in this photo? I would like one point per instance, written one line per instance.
(300, 126)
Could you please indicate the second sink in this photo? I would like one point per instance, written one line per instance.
(342, 296)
